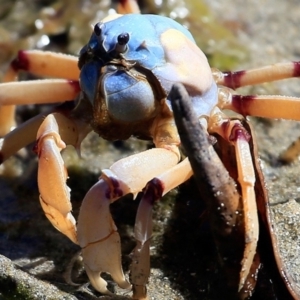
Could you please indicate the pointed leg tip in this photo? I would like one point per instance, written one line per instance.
(124, 285)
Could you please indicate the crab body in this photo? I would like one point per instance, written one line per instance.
(119, 64)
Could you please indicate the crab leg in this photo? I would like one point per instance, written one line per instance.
(7, 119)
(7, 113)
(269, 73)
(19, 137)
(29, 92)
(155, 189)
(97, 233)
(234, 132)
(54, 133)
(267, 106)
(25, 133)
(43, 64)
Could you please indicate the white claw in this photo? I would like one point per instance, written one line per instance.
(105, 256)
(63, 223)
(99, 239)
(96, 230)
(97, 281)
(52, 173)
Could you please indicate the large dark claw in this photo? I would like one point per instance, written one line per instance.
(222, 200)
(217, 188)
(211, 176)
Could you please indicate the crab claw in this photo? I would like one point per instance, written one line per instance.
(101, 246)
(97, 233)
(52, 174)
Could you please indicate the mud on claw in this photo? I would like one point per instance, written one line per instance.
(120, 86)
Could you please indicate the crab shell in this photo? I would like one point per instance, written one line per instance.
(131, 84)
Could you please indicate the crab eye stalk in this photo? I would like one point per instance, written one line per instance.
(98, 28)
(123, 39)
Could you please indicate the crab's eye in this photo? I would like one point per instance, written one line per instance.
(121, 45)
(98, 28)
(123, 38)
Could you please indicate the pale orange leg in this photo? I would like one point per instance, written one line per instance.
(7, 113)
(38, 92)
(269, 73)
(20, 137)
(43, 64)
(267, 106)
(155, 189)
(233, 131)
(26, 132)
(7, 119)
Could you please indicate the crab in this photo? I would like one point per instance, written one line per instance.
(122, 88)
